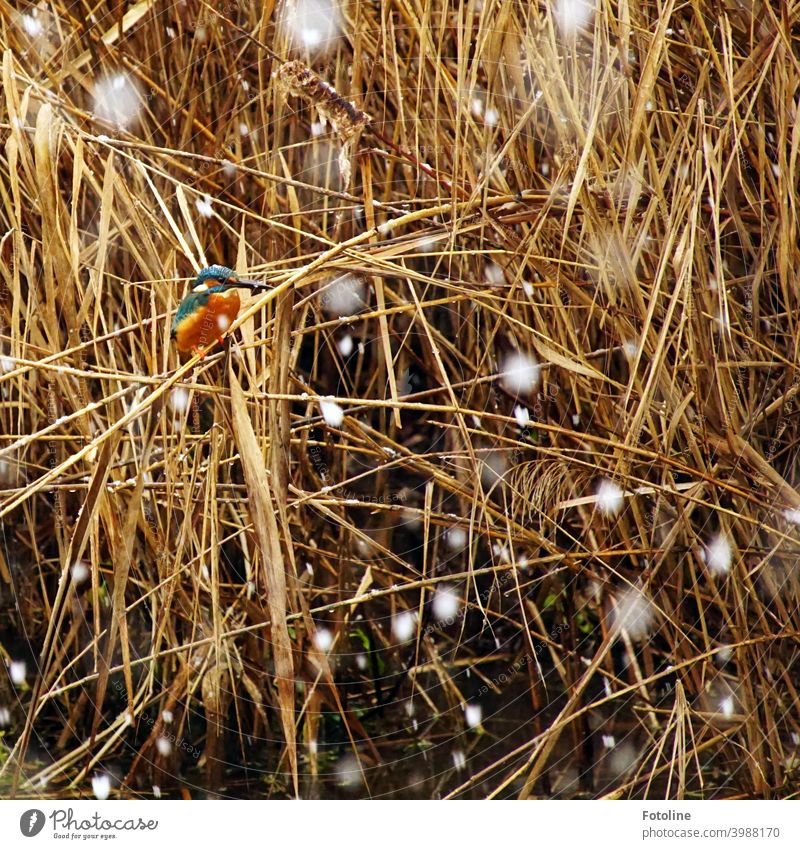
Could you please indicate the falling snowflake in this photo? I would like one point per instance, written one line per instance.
(345, 345)
(622, 759)
(634, 613)
(520, 375)
(17, 672)
(204, 206)
(522, 415)
(473, 715)
(718, 555)
(80, 572)
(117, 100)
(610, 498)
(342, 297)
(32, 26)
(313, 24)
(403, 626)
(456, 539)
(323, 639)
(179, 400)
(332, 413)
(494, 465)
(101, 786)
(164, 746)
(724, 654)
(445, 603)
(348, 773)
(573, 15)
(494, 274)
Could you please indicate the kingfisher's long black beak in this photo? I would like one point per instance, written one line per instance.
(252, 285)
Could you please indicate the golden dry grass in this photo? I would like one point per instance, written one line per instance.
(617, 204)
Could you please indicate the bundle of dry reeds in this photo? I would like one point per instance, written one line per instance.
(498, 484)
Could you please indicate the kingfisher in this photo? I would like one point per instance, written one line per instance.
(209, 309)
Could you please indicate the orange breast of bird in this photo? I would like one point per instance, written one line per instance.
(208, 323)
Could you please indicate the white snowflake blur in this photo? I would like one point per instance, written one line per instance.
(331, 412)
(32, 25)
(473, 715)
(179, 400)
(494, 274)
(520, 374)
(445, 603)
(313, 25)
(610, 498)
(634, 613)
(323, 639)
(345, 345)
(204, 206)
(456, 539)
(343, 296)
(80, 572)
(404, 625)
(348, 773)
(718, 555)
(622, 759)
(101, 786)
(117, 100)
(17, 672)
(494, 465)
(522, 415)
(573, 15)
(724, 654)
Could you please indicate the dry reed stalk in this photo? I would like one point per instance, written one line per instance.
(195, 552)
